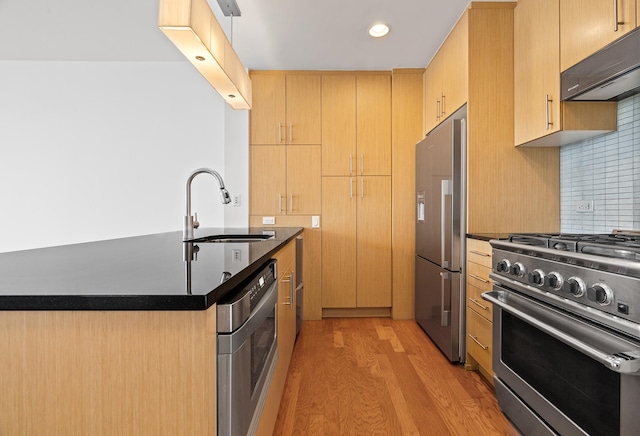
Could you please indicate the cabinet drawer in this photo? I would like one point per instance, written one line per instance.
(479, 341)
(475, 302)
(479, 252)
(478, 276)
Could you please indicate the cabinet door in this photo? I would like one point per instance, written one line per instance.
(338, 125)
(268, 179)
(374, 125)
(304, 186)
(455, 62)
(339, 242)
(588, 25)
(432, 93)
(536, 69)
(374, 242)
(286, 303)
(268, 119)
(303, 109)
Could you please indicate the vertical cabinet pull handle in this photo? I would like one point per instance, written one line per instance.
(442, 111)
(279, 131)
(280, 202)
(616, 22)
(547, 100)
(437, 109)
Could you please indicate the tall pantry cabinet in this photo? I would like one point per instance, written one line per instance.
(356, 191)
(320, 144)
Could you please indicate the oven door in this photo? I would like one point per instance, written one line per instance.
(246, 361)
(558, 373)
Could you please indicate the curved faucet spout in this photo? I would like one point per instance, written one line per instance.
(224, 197)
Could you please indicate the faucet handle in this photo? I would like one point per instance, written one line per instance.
(196, 224)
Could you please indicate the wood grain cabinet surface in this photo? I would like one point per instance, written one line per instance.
(286, 331)
(540, 117)
(588, 25)
(286, 109)
(479, 312)
(446, 77)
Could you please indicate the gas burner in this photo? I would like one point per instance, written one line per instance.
(615, 245)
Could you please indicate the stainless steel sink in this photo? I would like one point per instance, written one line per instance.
(232, 238)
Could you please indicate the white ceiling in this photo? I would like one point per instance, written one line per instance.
(270, 34)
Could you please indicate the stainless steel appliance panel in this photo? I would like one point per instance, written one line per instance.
(438, 300)
(439, 193)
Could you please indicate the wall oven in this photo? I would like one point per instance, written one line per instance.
(566, 333)
(247, 351)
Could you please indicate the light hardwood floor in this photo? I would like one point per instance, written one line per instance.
(375, 376)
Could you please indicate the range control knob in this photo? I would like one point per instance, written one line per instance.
(574, 286)
(554, 280)
(536, 277)
(518, 269)
(503, 266)
(601, 294)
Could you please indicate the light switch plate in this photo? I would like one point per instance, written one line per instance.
(315, 222)
(268, 220)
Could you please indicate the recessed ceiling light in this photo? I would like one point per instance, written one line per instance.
(378, 30)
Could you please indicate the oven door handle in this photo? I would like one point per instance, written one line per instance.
(627, 362)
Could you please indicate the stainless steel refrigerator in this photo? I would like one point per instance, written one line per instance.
(440, 233)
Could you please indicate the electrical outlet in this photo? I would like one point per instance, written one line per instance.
(268, 220)
(236, 200)
(584, 206)
(236, 255)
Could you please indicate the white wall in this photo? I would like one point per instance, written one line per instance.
(99, 150)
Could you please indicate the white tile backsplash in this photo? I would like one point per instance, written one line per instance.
(606, 170)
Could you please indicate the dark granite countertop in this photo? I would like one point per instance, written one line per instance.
(487, 236)
(137, 273)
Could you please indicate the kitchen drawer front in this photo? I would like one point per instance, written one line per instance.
(475, 302)
(478, 276)
(479, 340)
(479, 252)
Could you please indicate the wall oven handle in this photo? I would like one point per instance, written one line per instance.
(627, 362)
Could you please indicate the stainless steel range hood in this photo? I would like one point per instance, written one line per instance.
(612, 73)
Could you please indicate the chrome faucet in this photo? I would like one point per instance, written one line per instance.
(189, 222)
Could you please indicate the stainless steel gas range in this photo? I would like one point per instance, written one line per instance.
(567, 332)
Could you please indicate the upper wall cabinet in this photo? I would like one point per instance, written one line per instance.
(356, 124)
(541, 119)
(588, 25)
(445, 79)
(286, 109)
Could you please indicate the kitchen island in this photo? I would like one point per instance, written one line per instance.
(118, 336)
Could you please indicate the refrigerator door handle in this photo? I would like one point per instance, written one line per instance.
(447, 191)
(444, 314)
(420, 206)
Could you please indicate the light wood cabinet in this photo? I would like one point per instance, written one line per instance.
(356, 124)
(285, 180)
(540, 117)
(446, 77)
(286, 331)
(479, 312)
(588, 25)
(108, 372)
(356, 242)
(286, 109)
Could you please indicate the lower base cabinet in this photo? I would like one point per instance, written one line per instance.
(286, 331)
(479, 312)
